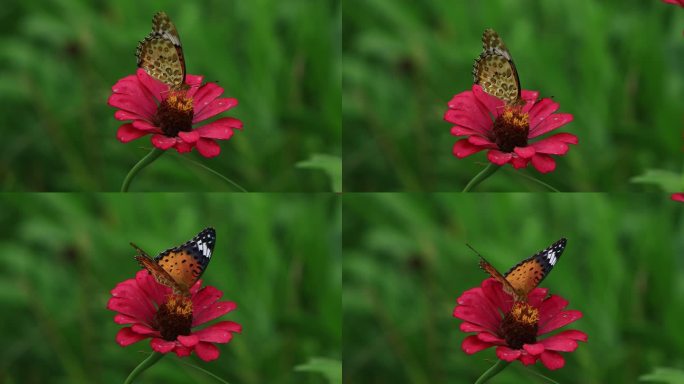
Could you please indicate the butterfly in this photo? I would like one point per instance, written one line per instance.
(181, 266)
(495, 71)
(160, 54)
(520, 280)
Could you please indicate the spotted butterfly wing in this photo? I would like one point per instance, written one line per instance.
(180, 267)
(521, 279)
(160, 54)
(495, 71)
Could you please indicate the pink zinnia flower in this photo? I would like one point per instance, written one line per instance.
(170, 116)
(168, 319)
(675, 2)
(506, 131)
(678, 197)
(514, 328)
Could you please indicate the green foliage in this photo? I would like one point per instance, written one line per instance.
(667, 181)
(331, 369)
(331, 165)
(406, 262)
(665, 375)
(60, 60)
(277, 256)
(615, 65)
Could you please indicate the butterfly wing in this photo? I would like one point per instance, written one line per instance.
(160, 54)
(186, 263)
(495, 71)
(155, 270)
(507, 287)
(527, 274)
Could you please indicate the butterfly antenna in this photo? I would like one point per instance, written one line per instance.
(483, 261)
(140, 251)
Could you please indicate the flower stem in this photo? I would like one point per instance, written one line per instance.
(493, 371)
(145, 161)
(534, 179)
(480, 177)
(150, 361)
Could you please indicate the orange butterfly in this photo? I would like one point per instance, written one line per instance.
(520, 280)
(180, 267)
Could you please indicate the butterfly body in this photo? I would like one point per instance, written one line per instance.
(180, 267)
(522, 278)
(160, 54)
(495, 71)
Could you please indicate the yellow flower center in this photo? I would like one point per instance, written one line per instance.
(174, 114)
(174, 317)
(511, 129)
(519, 326)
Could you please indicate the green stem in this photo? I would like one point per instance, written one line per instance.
(534, 179)
(206, 372)
(150, 361)
(227, 180)
(493, 371)
(145, 161)
(480, 177)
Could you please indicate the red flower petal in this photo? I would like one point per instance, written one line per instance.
(182, 351)
(163, 142)
(493, 105)
(183, 147)
(155, 87)
(463, 148)
(146, 126)
(207, 351)
(208, 148)
(144, 330)
(550, 308)
(189, 137)
(204, 96)
(491, 339)
(188, 341)
(541, 110)
(478, 118)
(219, 333)
(507, 354)
(559, 343)
(162, 346)
(499, 158)
(470, 327)
(128, 133)
(537, 296)
(519, 162)
(534, 349)
(573, 334)
(561, 320)
(549, 124)
(212, 312)
(213, 108)
(481, 141)
(552, 360)
(525, 152)
(528, 359)
(474, 309)
(472, 344)
(126, 337)
(543, 163)
(221, 129)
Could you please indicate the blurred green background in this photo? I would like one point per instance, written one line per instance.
(277, 256)
(59, 60)
(406, 262)
(616, 65)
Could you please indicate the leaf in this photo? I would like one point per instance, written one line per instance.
(664, 375)
(332, 165)
(330, 368)
(668, 181)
